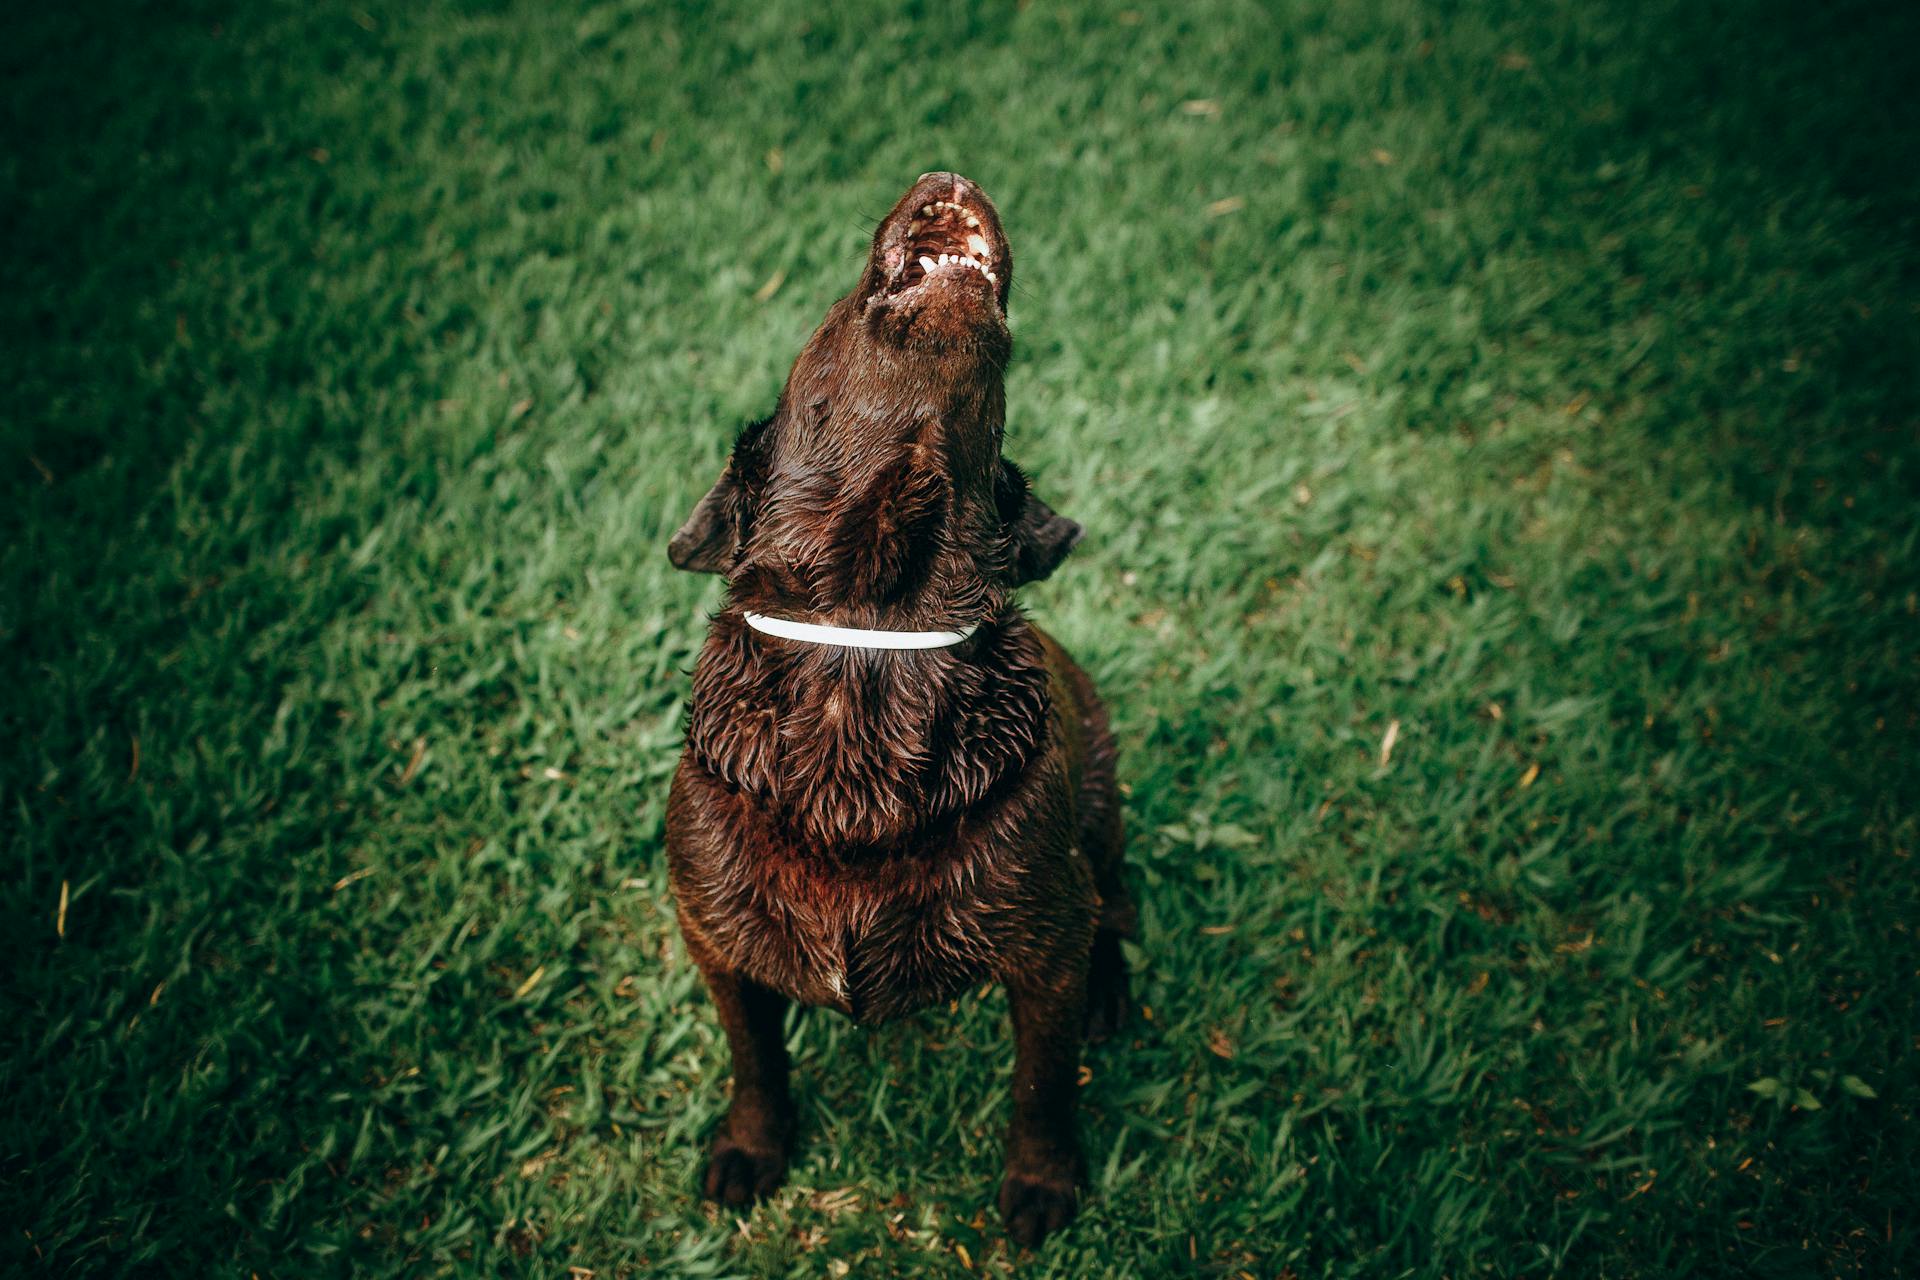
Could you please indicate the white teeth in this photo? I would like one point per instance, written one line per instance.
(978, 244)
(972, 221)
(926, 211)
(929, 265)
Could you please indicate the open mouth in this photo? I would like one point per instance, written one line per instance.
(943, 238)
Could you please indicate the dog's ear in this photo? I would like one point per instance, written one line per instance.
(714, 533)
(707, 542)
(1038, 538)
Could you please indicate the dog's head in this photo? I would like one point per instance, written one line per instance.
(889, 427)
(939, 271)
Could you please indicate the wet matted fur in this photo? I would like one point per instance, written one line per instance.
(877, 830)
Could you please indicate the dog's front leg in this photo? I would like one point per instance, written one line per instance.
(1045, 1169)
(749, 1156)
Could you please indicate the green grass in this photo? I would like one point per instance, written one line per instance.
(1535, 378)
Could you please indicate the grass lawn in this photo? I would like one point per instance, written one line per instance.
(1496, 427)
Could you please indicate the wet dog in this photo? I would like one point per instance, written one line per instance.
(894, 786)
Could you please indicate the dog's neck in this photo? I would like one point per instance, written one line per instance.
(878, 515)
(855, 750)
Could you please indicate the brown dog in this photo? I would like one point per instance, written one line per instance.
(875, 829)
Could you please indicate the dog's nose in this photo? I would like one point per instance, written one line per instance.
(961, 186)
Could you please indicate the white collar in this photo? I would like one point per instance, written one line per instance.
(855, 637)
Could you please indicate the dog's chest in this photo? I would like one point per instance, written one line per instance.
(874, 943)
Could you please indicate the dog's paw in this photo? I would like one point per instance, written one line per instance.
(1034, 1208)
(738, 1176)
